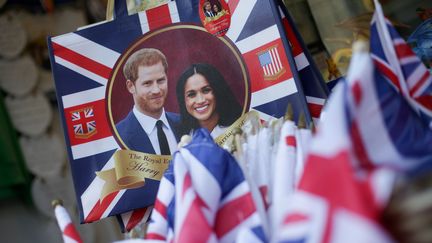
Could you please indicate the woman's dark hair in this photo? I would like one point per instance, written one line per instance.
(227, 105)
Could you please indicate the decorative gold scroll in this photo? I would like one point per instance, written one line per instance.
(226, 136)
(130, 170)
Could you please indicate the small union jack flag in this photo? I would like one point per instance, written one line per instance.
(400, 66)
(84, 124)
(187, 210)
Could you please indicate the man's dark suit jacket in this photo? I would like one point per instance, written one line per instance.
(207, 14)
(134, 136)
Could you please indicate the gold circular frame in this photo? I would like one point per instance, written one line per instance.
(126, 54)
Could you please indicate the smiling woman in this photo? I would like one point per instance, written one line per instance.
(205, 100)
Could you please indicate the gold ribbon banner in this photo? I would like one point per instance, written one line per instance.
(130, 170)
(228, 134)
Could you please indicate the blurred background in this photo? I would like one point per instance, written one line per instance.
(34, 168)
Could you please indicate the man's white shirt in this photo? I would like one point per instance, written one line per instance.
(149, 125)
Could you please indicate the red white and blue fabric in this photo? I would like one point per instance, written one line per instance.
(400, 65)
(161, 227)
(384, 129)
(314, 86)
(251, 235)
(338, 201)
(404, 139)
(82, 62)
(137, 217)
(69, 232)
(256, 30)
(370, 132)
(209, 201)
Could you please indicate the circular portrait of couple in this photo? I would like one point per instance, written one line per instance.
(212, 9)
(172, 81)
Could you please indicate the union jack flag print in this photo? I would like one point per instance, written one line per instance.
(84, 125)
(82, 64)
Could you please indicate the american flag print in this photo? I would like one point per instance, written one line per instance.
(270, 63)
(83, 61)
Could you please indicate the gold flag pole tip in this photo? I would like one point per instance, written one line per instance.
(301, 124)
(56, 202)
(289, 114)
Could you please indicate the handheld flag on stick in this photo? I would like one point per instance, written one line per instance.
(161, 227)
(314, 86)
(400, 66)
(316, 212)
(188, 210)
(283, 173)
(69, 232)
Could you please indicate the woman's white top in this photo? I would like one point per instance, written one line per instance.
(218, 130)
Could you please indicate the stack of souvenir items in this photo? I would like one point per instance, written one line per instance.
(113, 80)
